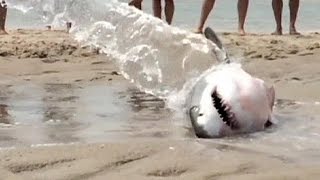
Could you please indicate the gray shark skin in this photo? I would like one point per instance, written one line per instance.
(228, 100)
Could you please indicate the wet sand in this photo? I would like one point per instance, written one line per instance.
(44, 58)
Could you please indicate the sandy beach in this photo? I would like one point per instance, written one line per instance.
(290, 63)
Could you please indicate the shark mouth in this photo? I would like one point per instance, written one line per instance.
(224, 111)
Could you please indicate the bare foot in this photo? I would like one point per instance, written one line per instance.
(294, 32)
(136, 4)
(278, 33)
(241, 32)
(198, 31)
(3, 32)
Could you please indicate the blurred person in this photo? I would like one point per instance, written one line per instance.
(3, 17)
(157, 8)
(168, 9)
(242, 14)
(277, 6)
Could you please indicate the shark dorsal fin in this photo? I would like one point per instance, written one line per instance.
(222, 54)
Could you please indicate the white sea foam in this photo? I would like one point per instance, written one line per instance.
(158, 58)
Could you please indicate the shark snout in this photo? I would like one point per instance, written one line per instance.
(194, 114)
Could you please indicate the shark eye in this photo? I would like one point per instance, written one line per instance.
(201, 114)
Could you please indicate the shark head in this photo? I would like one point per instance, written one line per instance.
(231, 101)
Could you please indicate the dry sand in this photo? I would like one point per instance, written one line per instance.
(290, 63)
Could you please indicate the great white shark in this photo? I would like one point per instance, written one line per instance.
(228, 100)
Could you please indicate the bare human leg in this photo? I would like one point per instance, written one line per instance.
(169, 10)
(294, 7)
(277, 6)
(136, 3)
(242, 14)
(3, 17)
(206, 9)
(157, 8)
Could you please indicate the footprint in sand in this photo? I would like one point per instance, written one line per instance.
(249, 52)
(50, 61)
(305, 53)
(98, 62)
(170, 172)
(50, 72)
(313, 46)
(97, 78)
(292, 51)
(275, 41)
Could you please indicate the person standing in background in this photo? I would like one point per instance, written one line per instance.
(277, 6)
(157, 8)
(168, 9)
(3, 17)
(242, 14)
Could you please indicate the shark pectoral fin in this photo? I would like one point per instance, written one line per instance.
(222, 55)
(194, 113)
(274, 120)
(271, 96)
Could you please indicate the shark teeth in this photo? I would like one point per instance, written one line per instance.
(224, 111)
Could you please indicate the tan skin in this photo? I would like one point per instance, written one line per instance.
(168, 9)
(3, 17)
(208, 6)
(157, 8)
(277, 6)
(136, 3)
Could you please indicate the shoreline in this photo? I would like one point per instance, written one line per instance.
(291, 63)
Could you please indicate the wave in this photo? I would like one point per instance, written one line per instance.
(160, 59)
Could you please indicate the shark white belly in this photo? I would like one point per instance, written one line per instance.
(228, 100)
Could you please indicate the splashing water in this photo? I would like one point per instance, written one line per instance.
(158, 58)
(37, 13)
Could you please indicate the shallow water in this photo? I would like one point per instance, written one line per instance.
(65, 113)
(33, 115)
